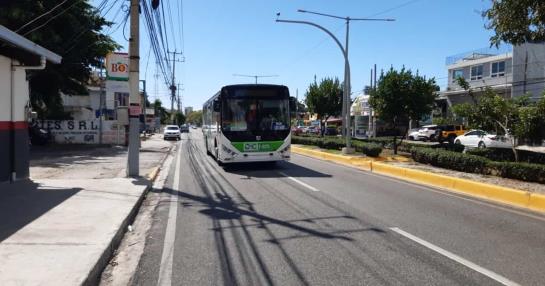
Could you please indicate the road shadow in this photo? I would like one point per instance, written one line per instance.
(270, 170)
(23, 202)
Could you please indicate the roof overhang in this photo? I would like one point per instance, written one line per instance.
(17, 42)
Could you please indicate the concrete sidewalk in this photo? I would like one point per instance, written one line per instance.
(61, 232)
(61, 227)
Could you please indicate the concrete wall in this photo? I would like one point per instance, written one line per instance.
(84, 131)
(535, 69)
(13, 122)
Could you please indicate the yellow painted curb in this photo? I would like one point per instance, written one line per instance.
(514, 197)
(153, 174)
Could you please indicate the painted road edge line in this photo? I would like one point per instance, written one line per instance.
(490, 274)
(299, 182)
(165, 269)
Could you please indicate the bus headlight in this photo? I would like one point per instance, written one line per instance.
(286, 149)
(227, 150)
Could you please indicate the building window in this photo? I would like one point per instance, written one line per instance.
(498, 69)
(456, 74)
(476, 72)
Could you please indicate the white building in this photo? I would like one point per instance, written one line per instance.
(17, 54)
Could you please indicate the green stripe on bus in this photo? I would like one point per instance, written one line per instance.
(258, 146)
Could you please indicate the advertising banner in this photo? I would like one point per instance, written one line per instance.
(117, 66)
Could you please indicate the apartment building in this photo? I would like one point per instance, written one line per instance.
(510, 71)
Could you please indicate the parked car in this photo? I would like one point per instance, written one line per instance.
(184, 128)
(482, 139)
(331, 131)
(412, 134)
(172, 131)
(450, 132)
(428, 133)
(312, 130)
(297, 130)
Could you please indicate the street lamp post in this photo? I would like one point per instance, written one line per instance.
(346, 87)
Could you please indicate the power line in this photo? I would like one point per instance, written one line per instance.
(52, 18)
(39, 17)
(393, 8)
(181, 18)
(171, 26)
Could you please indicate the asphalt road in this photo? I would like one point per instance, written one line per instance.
(310, 222)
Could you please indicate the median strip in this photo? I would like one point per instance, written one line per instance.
(513, 197)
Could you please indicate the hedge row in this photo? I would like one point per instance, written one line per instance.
(337, 143)
(503, 154)
(479, 164)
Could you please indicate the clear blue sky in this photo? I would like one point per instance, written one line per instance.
(222, 38)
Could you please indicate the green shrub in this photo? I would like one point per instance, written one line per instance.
(450, 160)
(520, 171)
(337, 143)
(504, 154)
(479, 164)
(369, 149)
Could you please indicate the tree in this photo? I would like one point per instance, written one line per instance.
(73, 30)
(325, 99)
(161, 111)
(195, 117)
(180, 118)
(517, 117)
(516, 21)
(400, 95)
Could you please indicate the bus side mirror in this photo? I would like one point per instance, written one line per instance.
(216, 106)
(293, 104)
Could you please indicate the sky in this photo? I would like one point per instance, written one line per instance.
(222, 38)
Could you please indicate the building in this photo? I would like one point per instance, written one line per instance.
(17, 55)
(510, 71)
(188, 110)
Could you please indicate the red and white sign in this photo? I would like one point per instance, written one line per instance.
(134, 109)
(117, 66)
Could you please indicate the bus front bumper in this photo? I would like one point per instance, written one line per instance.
(256, 157)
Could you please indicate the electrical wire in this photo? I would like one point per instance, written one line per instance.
(181, 19)
(52, 18)
(172, 26)
(39, 17)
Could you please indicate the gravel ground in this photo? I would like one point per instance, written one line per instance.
(92, 161)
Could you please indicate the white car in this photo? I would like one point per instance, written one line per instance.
(482, 139)
(427, 132)
(413, 134)
(172, 131)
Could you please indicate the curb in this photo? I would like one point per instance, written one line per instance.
(95, 274)
(513, 197)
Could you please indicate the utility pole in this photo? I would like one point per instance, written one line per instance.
(144, 104)
(346, 92)
(179, 101)
(255, 76)
(173, 85)
(101, 81)
(297, 106)
(134, 97)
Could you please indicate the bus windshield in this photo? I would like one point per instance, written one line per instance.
(245, 118)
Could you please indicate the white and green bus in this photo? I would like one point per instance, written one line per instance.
(248, 123)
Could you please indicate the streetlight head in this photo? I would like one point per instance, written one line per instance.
(301, 10)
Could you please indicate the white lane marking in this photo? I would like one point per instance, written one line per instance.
(442, 191)
(300, 182)
(165, 269)
(456, 258)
